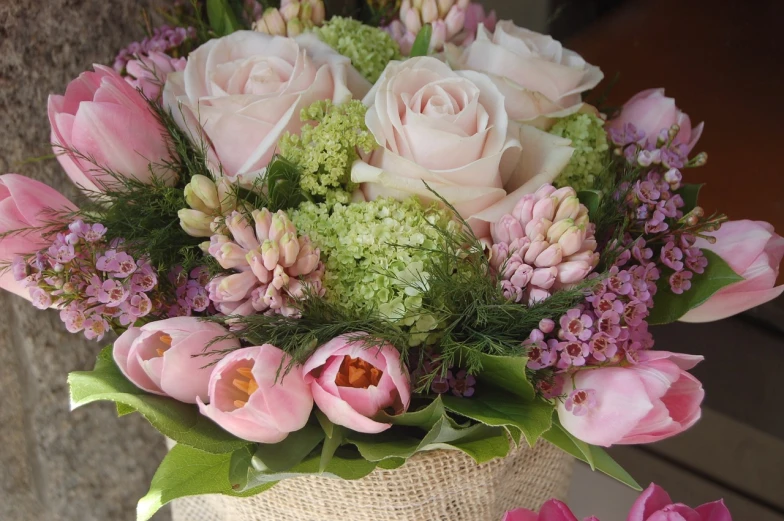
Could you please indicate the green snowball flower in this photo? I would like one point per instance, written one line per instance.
(325, 151)
(587, 168)
(369, 48)
(375, 254)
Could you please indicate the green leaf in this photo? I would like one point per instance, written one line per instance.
(483, 444)
(391, 463)
(591, 199)
(669, 307)
(689, 193)
(186, 471)
(123, 409)
(601, 460)
(179, 421)
(222, 19)
(507, 373)
(279, 457)
(498, 409)
(334, 436)
(583, 447)
(424, 418)
(421, 45)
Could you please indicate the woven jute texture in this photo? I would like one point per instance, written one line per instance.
(431, 486)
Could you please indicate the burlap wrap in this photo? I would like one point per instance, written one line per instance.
(431, 486)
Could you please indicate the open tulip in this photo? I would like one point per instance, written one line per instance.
(26, 205)
(352, 382)
(650, 111)
(449, 131)
(163, 357)
(642, 403)
(754, 251)
(252, 399)
(654, 504)
(102, 122)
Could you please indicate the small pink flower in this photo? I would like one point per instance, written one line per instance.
(253, 398)
(351, 382)
(163, 357)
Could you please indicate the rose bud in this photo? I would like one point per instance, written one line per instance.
(351, 382)
(161, 357)
(252, 397)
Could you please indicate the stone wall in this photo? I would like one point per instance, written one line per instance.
(57, 465)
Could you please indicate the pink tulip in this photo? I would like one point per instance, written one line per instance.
(654, 504)
(642, 403)
(651, 112)
(102, 120)
(552, 510)
(162, 357)
(29, 206)
(754, 251)
(251, 399)
(351, 382)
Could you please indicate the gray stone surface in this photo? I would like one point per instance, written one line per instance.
(58, 465)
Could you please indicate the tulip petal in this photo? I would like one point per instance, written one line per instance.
(340, 412)
(716, 511)
(128, 363)
(725, 304)
(652, 499)
(521, 514)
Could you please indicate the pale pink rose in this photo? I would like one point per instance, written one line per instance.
(641, 403)
(101, 122)
(247, 89)
(254, 398)
(26, 204)
(352, 382)
(651, 112)
(537, 76)
(149, 72)
(450, 130)
(654, 504)
(161, 357)
(754, 251)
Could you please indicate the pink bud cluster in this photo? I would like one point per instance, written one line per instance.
(95, 284)
(163, 38)
(452, 22)
(545, 244)
(610, 328)
(273, 265)
(190, 291)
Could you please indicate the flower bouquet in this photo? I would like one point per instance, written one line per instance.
(327, 247)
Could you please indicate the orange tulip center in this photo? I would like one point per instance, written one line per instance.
(246, 384)
(355, 372)
(167, 341)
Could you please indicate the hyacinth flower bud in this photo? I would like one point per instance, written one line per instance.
(279, 226)
(202, 194)
(571, 241)
(226, 195)
(582, 220)
(289, 10)
(673, 177)
(558, 229)
(280, 279)
(562, 193)
(272, 22)
(412, 21)
(507, 229)
(545, 208)
(294, 27)
(524, 209)
(438, 37)
(463, 4)
(417, 4)
(319, 12)
(256, 263)
(429, 11)
(544, 277)
(405, 7)
(550, 257)
(305, 14)
(242, 231)
(455, 21)
(289, 249)
(263, 220)
(195, 223)
(270, 254)
(573, 271)
(234, 288)
(536, 230)
(444, 6)
(308, 258)
(534, 250)
(229, 255)
(568, 209)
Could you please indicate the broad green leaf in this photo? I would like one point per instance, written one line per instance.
(591, 199)
(391, 463)
(188, 472)
(123, 409)
(334, 435)
(483, 444)
(279, 457)
(507, 373)
(669, 307)
(179, 421)
(424, 418)
(515, 433)
(580, 444)
(421, 46)
(499, 409)
(601, 460)
(221, 16)
(689, 193)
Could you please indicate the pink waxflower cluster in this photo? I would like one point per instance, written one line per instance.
(190, 290)
(274, 266)
(545, 244)
(94, 283)
(654, 504)
(163, 38)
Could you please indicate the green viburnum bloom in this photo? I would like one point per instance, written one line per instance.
(375, 254)
(369, 48)
(325, 151)
(587, 167)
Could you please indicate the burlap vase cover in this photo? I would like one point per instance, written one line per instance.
(435, 485)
